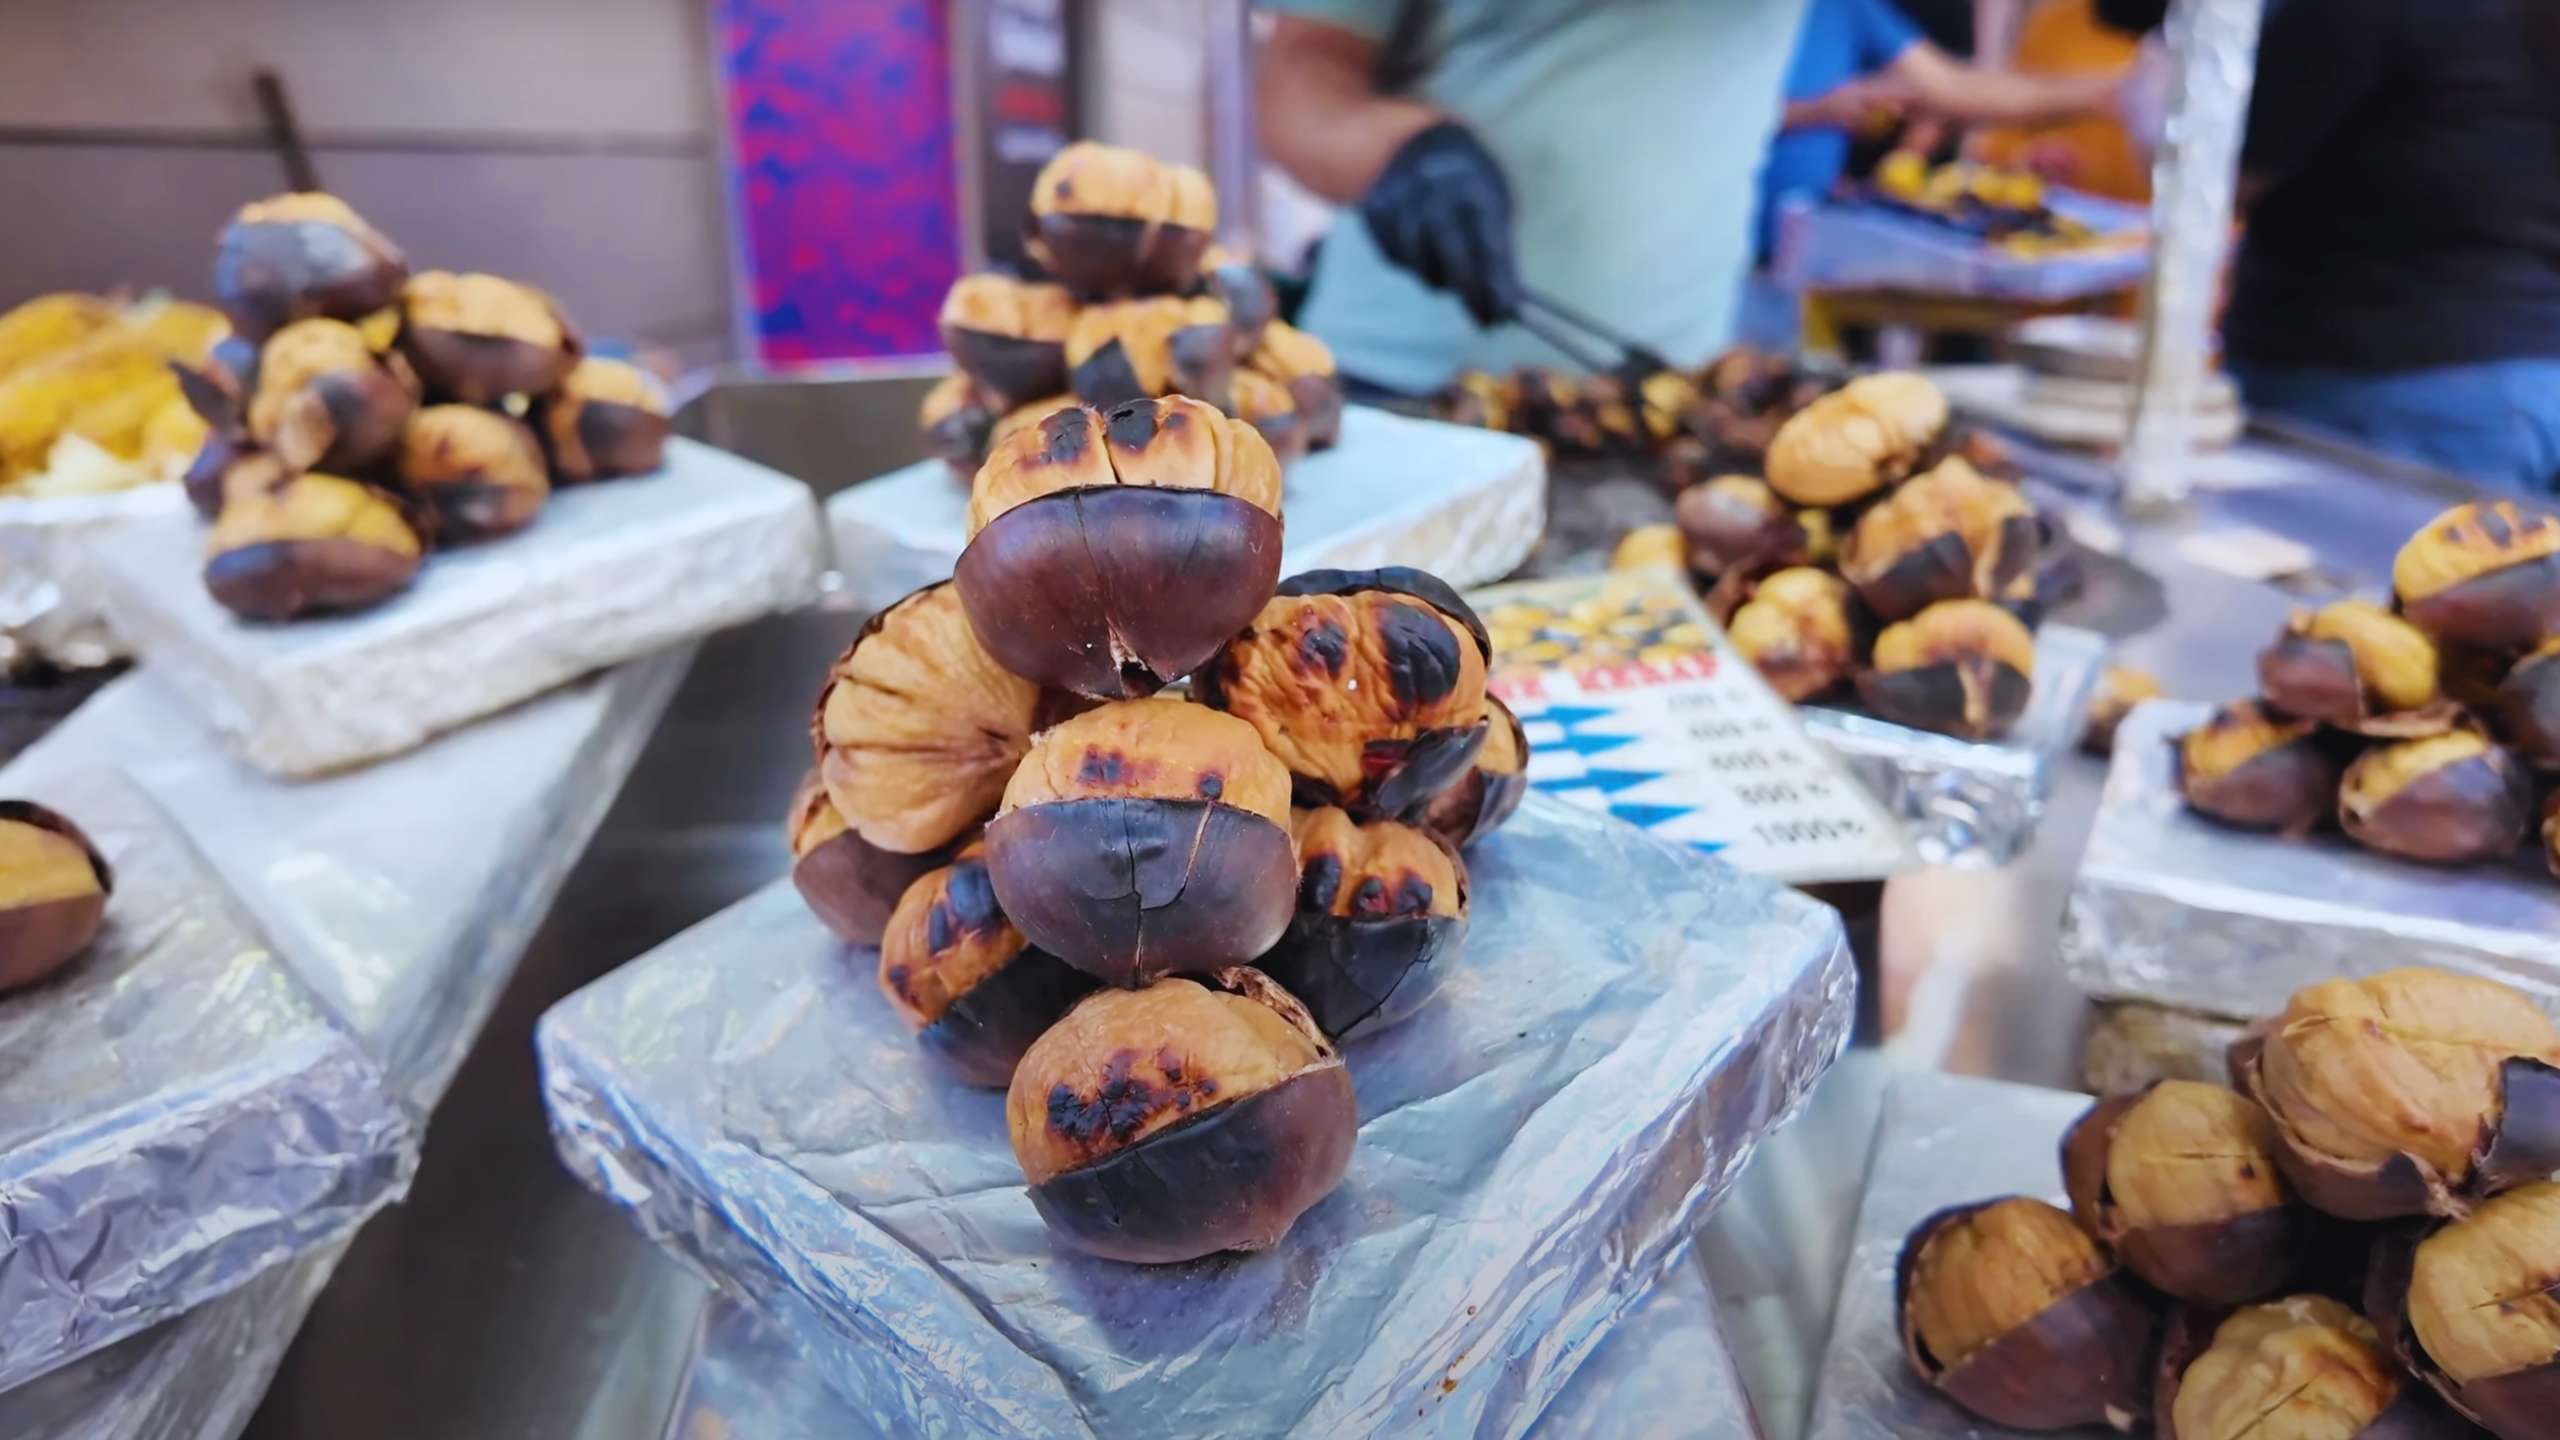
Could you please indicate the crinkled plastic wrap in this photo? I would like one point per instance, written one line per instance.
(2174, 909)
(1627, 1020)
(177, 1110)
(1973, 803)
(42, 608)
(1945, 1140)
(608, 573)
(1467, 505)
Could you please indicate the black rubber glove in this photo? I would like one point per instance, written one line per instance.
(1442, 210)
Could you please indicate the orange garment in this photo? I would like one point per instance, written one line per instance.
(2091, 155)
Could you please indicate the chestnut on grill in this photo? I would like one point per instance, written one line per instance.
(1382, 912)
(1959, 667)
(963, 978)
(308, 543)
(2120, 688)
(2179, 1179)
(53, 892)
(2357, 666)
(479, 471)
(2485, 575)
(1367, 684)
(1111, 554)
(1491, 788)
(1856, 440)
(1233, 280)
(2413, 1092)
(301, 256)
(1111, 222)
(1795, 630)
(1134, 349)
(325, 400)
(959, 420)
(2473, 1308)
(481, 338)
(2249, 767)
(2447, 798)
(2306, 1367)
(1736, 521)
(607, 419)
(1010, 335)
(2528, 707)
(2014, 1313)
(1181, 1120)
(1947, 535)
(1264, 404)
(1305, 365)
(1145, 837)
(850, 884)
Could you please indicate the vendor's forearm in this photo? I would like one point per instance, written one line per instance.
(1319, 115)
(1977, 95)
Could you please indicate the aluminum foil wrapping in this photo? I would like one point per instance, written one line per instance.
(1627, 1021)
(42, 609)
(178, 1111)
(1467, 505)
(608, 573)
(1968, 803)
(1945, 1140)
(2171, 908)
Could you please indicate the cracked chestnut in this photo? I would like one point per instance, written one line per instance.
(608, 419)
(481, 338)
(1305, 365)
(1145, 837)
(325, 400)
(2120, 688)
(1959, 667)
(1009, 335)
(2305, 1367)
(2528, 707)
(1266, 405)
(2446, 798)
(2250, 767)
(53, 892)
(1858, 439)
(481, 472)
(2359, 667)
(302, 544)
(2413, 1092)
(1137, 349)
(959, 418)
(1232, 279)
(2180, 1181)
(1382, 913)
(976, 994)
(1491, 788)
(850, 884)
(1947, 535)
(1367, 684)
(2473, 1308)
(301, 256)
(1736, 522)
(1111, 222)
(1795, 630)
(1181, 1120)
(2484, 575)
(2015, 1314)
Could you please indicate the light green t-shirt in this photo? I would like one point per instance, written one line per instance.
(1632, 132)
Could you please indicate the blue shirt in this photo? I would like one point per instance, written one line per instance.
(1841, 41)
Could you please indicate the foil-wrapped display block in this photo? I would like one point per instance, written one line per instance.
(2177, 910)
(178, 1111)
(1627, 1020)
(1467, 505)
(43, 607)
(1944, 1140)
(607, 573)
(1973, 803)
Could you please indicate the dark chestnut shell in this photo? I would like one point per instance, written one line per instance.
(2291, 788)
(1202, 367)
(281, 579)
(850, 884)
(1359, 976)
(1941, 696)
(1128, 889)
(37, 940)
(2231, 1261)
(605, 439)
(1108, 257)
(981, 1035)
(2529, 708)
(1319, 402)
(1482, 799)
(1017, 368)
(270, 273)
(2480, 808)
(2520, 1405)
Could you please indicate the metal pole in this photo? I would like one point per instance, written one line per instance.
(1234, 165)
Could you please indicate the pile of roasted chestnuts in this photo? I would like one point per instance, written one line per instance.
(2359, 1240)
(2428, 730)
(53, 892)
(360, 415)
(1128, 300)
(1153, 917)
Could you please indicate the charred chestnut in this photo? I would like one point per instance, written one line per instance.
(2015, 1314)
(1947, 535)
(1960, 667)
(2357, 666)
(1856, 440)
(325, 400)
(2413, 1092)
(976, 994)
(1136, 349)
(1233, 280)
(1795, 630)
(2120, 688)
(2447, 798)
(1018, 418)
(1367, 684)
(1302, 362)
(607, 419)
(218, 387)
(1180, 1120)
(1010, 335)
(301, 256)
(1145, 837)
(959, 418)
(2179, 1180)
(481, 338)
(53, 892)
(2484, 575)
(850, 884)
(204, 474)
(479, 471)
(1110, 554)
(1734, 522)
(1111, 222)
(1476, 398)
(2306, 1367)
(2474, 1309)
(308, 543)
(1265, 405)
(2528, 705)
(2248, 767)
(1650, 545)
(1486, 795)
(1382, 911)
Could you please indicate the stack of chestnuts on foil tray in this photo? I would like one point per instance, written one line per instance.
(53, 893)
(2424, 730)
(1152, 917)
(2358, 1240)
(1130, 300)
(360, 415)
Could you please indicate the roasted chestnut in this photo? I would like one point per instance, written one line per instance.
(2306, 1367)
(300, 256)
(1233, 280)
(306, 543)
(1264, 404)
(1856, 440)
(1486, 795)
(1382, 911)
(478, 470)
(1180, 1120)
(1010, 335)
(1111, 554)
(2120, 688)
(325, 400)
(1795, 631)
(1479, 399)
(2474, 1309)
(1304, 364)
(959, 420)
(964, 980)
(1959, 667)
(218, 386)
(2179, 1180)
(2413, 1092)
(851, 885)
(2484, 575)
(2357, 666)
(204, 474)
(1368, 684)
(1111, 222)
(607, 419)
(53, 892)
(1650, 545)
(1946, 535)
(1145, 837)
(2448, 798)
(2248, 767)
(1134, 349)
(1017, 418)
(2528, 705)
(1734, 522)
(481, 338)
(2015, 1314)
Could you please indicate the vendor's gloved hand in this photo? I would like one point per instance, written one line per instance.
(1442, 210)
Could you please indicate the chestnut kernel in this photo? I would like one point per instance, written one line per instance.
(2248, 767)
(2357, 666)
(1305, 365)
(2305, 1367)
(2120, 688)
(850, 884)
(1959, 667)
(2474, 1309)
(325, 400)
(2484, 575)
(300, 256)
(2180, 1181)
(478, 470)
(301, 544)
(1009, 335)
(2528, 707)
(1490, 790)
(976, 994)
(1138, 349)
(1110, 222)
(608, 419)
(2444, 798)
(53, 892)
(1947, 535)
(481, 338)
(1795, 631)
(1382, 912)
(1856, 440)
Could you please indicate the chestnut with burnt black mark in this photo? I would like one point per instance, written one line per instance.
(963, 978)
(299, 256)
(1303, 364)
(1136, 349)
(1735, 522)
(308, 543)
(850, 884)
(1959, 667)
(1009, 335)
(480, 471)
(2483, 575)
(324, 400)
(958, 417)
(1490, 790)
(53, 892)
(2357, 666)
(2528, 707)
(481, 338)
(1110, 222)
(607, 419)
(1382, 911)
(2446, 798)
(2245, 766)
(2180, 1181)
(1947, 535)
(2473, 1308)
(1796, 631)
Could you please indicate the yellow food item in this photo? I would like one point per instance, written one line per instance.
(110, 389)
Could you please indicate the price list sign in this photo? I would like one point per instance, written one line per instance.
(1634, 703)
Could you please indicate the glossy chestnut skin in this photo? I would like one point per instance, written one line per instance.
(2528, 708)
(1856, 440)
(1009, 335)
(481, 338)
(53, 892)
(2248, 767)
(1381, 914)
(850, 884)
(1947, 535)
(1305, 365)
(2445, 798)
(1110, 222)
(1136, 349)
(2484, 575)
(608, 419)
(1797, 632)
(1736, 522)
(1959, 667)
(2306, 1367)
(2354, 665)
(2180, 1181)
(1490, 790)
(963, 979)
(1111, 554)
(2472, 1307)
(478, 470)
(302, 255)
(325, 400)
(306, 544)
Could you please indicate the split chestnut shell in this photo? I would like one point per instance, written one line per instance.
(2445, 798)
(1736, 522)
(53, 892)
(481, 338)
(480, 471)
(1960, 667)
(1795, 630)
(303, 255)
(1856, 440)
(325, 401)
(308, 543)
(2306, 1367)
(2180, 1181)
(607, 419)
(963, 978)
(2483, 575)
(850, 884)
(1009, 335)
(2357, 666)
(1112, 222)
(2528, 707)
(1232, 279)
(1305, 365)
(2473, 1308)
(1136, 349)
(1947, 535)
(1490, 790)
(1382, 912)
(2248, 767)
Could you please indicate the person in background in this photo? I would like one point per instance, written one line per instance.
(2092, 154)
(1599, 150)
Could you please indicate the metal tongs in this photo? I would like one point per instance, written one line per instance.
(1553, 321)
